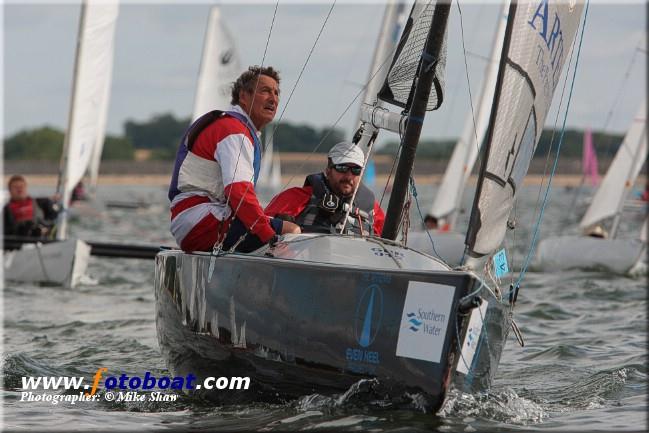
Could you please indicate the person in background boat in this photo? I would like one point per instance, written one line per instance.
(79, 193)
(432, 223)
(212, 190)
(322, 203)
(27, 216)
(597, 232)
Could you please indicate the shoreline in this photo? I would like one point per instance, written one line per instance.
(294, 179)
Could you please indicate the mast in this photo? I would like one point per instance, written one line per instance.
(417, 112)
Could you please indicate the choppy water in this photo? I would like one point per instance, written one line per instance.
(584, 365)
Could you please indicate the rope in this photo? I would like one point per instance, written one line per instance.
(556, 159)
(421, 216)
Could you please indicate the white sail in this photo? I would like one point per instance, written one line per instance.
(535, 50)
(86, 122)
(465, 153)
(622, 173)
(220, 67)
(389, 33)
(95, 160)
(270, 172)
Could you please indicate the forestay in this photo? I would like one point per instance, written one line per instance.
(220, 67)
(622, 173)
(88, 108)
(538, 40)
(466, 150)
(400, 80)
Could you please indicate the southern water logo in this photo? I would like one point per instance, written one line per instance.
(414, 323)
(369, 313)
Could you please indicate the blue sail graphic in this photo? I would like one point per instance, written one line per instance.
(364, 341)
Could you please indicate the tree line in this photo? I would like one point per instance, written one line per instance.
(161, 134)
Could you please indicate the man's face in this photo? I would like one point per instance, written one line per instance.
(263, 106)
(18, 190)
(342, 184)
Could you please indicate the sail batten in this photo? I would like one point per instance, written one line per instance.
(538, 39)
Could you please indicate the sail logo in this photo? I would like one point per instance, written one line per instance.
(414, 323)
(226, 57)
(367, 322)
(369, 313)
(541, 21)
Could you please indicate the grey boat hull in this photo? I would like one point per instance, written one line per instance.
(297, 327)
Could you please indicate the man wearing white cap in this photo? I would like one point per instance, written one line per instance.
(322, 203)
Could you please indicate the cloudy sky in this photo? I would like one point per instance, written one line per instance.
(158, 48)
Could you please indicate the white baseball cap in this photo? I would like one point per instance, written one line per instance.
(347, 153)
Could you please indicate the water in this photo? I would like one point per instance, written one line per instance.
(583, 367)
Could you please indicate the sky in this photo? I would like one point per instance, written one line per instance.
(158, 49)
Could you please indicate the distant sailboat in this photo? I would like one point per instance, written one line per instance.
(392, 24)
(589, 164)
(607, 206)
(447, 242)
(64, 262)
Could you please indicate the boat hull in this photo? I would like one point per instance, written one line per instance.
(584, 252)
(297, 327)
(60, 263)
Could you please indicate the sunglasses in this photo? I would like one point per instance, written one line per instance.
(342, 168)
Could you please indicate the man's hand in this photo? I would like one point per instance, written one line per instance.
(289, 227)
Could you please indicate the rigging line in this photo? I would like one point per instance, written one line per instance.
(306, 62)
(554, 129)
(421, 216)
(556, 159)
(218, 244)
(468, 81)
(331, 128)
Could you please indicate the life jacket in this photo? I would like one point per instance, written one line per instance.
(325, 211)
(213, 186)
(27, 216)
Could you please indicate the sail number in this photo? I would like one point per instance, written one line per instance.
(381, 252)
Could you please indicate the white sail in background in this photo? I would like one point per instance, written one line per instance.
(88, 107)
(95, 160)
(460, 165)
(621, 174)
(535, 50)
(270, 172)
(220, 67)
(389, 33)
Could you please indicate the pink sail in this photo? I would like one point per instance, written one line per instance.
(589, 159)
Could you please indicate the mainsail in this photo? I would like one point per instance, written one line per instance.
(537, 41)
(465, 152)
(398, 87)
(220, 67)
(88, 107)
(622, 173)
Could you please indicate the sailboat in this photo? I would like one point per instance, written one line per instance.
(391, 27)
(447, 241)
(64, 261)
(609, 252)
(320, 312)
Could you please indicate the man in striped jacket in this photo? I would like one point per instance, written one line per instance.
(212, 190)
